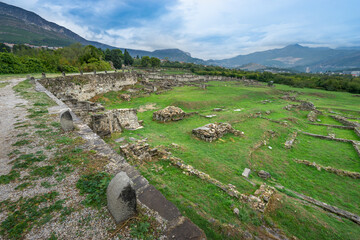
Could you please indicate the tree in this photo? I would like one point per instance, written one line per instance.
(107, 54)
(4, 48)
(155, 62)
(90, 52)
(128, 60)
(145, 61)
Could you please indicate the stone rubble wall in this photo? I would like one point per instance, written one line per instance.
(333, 126)
(344, 121)
(289, 143)
(84, 87)
(339, 172)
(357, 131)
(328, 138)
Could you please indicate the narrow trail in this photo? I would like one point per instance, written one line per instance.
(10, 113)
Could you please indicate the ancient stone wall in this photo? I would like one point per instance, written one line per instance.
(84, 87)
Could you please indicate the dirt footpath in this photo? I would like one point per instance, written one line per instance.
(10, 113)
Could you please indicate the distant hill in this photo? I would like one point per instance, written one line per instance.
(21, 26)
(298, 57)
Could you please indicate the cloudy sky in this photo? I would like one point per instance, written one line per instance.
(208, 29)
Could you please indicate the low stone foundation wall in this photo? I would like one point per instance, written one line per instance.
(344, 121)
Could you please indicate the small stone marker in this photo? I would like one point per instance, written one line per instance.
(121, 197)
(217, 109)
(66, 121)
(237, 110)
(236, 211)
(246, 172)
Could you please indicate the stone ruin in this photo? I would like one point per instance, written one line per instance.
(213, 131)
(307, 106)
(141, 151)
(304, 105)
(170, 113)
(114, 121)
(312, 116)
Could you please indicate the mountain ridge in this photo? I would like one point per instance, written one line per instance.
(21, 26)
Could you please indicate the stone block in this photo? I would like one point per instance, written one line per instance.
(246, 172)
(66, 121)
(185, 229)
(154, 200)
(121, 197)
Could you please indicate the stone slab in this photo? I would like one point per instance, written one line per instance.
(153, 199)
(186, 230)
(246, 172)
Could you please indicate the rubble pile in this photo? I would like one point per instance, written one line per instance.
(213, 131)
(168, 114)
(140, 151)
(261, 197)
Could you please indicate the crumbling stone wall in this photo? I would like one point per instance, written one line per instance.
(84, 87)
(114, 121)
(344, 121)
(84, 109)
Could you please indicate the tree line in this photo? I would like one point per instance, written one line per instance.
(74, 58)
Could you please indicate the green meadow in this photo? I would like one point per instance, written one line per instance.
(225, 159)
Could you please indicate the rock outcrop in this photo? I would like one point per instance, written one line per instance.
(213, 131)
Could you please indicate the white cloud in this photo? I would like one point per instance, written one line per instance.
(214, 28)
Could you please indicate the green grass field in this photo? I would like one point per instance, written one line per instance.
(225, 159)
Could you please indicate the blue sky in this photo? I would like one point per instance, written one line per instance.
(208, 29)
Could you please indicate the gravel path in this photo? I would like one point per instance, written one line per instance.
(10, 113)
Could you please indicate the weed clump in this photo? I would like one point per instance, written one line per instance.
(94, 185)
